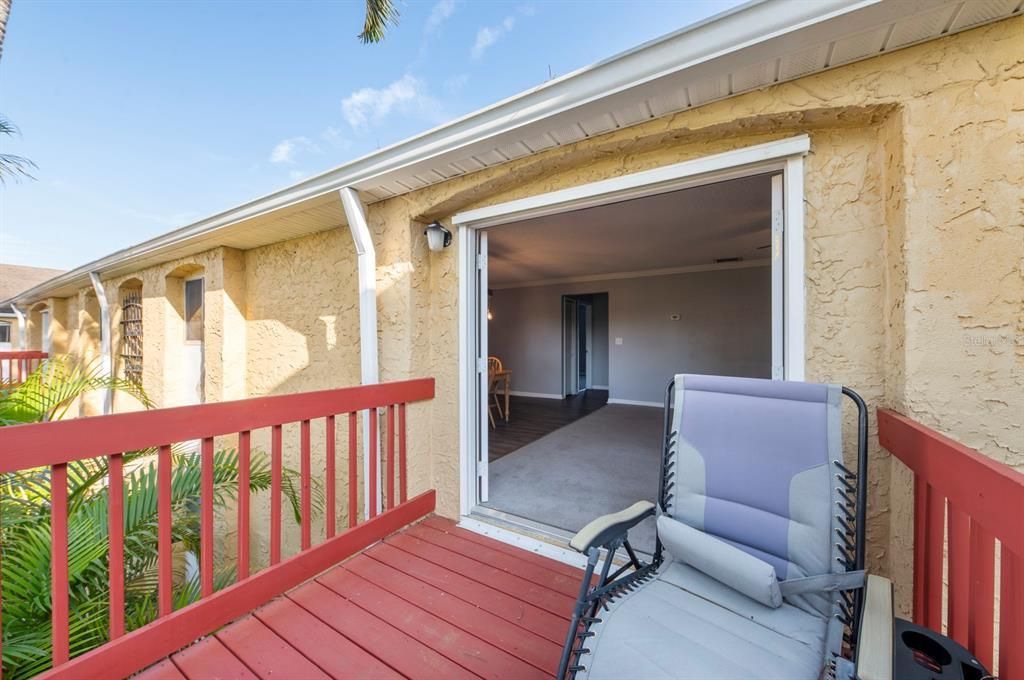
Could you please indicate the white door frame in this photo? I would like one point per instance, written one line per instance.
(570, 345)
(588, 346)
(44, 329)
(785, 155)
(191, 347)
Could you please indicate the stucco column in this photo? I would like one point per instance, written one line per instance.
(225, 334)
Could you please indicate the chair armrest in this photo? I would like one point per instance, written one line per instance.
(875, 638)
(607, 527)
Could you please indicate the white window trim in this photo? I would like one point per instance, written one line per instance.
(784, 154)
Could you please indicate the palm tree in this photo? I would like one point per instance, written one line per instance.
(25, 529)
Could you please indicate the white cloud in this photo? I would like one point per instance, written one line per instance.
(408, 94)
(335, 138)
(488, 35)
(296, 175)
(286, 149)
(438, 15)
(456, 84)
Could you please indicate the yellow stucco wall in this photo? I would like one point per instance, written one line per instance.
(914, 235)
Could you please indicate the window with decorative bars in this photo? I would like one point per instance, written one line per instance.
(131, 335)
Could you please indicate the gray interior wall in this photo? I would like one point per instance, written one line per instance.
(724, 328)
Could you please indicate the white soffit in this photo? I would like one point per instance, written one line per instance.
(753, 46)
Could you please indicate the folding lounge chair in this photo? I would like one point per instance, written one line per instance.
(759, 558)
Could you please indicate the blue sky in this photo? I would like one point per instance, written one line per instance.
(143, 117)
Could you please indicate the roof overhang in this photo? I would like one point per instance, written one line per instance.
(753, 46)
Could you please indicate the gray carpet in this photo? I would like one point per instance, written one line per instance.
(599, 464)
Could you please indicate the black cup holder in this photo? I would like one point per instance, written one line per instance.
(922, 654)
(927, 646)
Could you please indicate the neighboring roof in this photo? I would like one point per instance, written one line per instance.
(756, 45)
(16, 278)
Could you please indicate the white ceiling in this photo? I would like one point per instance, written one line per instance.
(686, 228)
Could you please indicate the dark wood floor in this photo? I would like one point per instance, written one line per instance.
(532, 418)
(432, 601)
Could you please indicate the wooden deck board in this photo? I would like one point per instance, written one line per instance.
(468, 651)
(519, 642)
(502, 560)
(209, 659)
(165, 670)
(527, 591)
(431, 601)
(266, 653)
(507, 607)
(404, 653)
(449, 527)
(327, 648)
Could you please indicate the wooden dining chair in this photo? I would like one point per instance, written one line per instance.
(494, 369)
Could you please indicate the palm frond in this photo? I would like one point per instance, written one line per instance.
(11, 166)
(50, 390)
(379, 14)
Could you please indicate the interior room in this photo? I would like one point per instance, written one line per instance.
(590, 315)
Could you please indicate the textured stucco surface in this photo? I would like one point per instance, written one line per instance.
(915, 245)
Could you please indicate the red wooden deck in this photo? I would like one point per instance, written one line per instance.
(431, 601)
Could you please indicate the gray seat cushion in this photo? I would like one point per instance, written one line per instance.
(685, 624)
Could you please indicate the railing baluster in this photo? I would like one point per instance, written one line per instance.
(331, 511)
(115, 528)
(982, 594)
(389, 478)
(353, 471)
(373, 482)
(1011, 614)
(206, 518)
(244, 468)
(959, 552)
(59, 561)
(275, 494)
(164, 558)
(936, 516)
(920, 547)
(305, 482)
(403, 472)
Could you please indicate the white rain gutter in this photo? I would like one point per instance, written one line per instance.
(22, 329)
(101, 296)
(366, 261)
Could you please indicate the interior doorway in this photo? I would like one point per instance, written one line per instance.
(702, 284)
(577, 343)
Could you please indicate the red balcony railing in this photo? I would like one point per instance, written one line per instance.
(54, 445)
(16, 366)
(964, 502)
